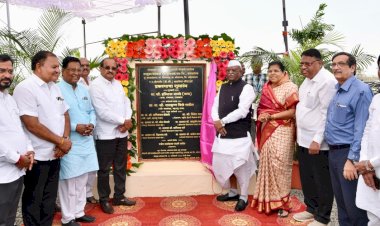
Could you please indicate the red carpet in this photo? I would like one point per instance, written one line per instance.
(186, 211)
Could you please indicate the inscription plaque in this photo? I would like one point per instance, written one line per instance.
(170, 100)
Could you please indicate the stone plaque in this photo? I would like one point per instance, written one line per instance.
(170, 100)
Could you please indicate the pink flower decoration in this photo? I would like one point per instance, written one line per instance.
(149, 42)
(181, 55)
(231, 55)
(123, 61)
(189, 48)
(190, 42)
(175, 42)
(164, 55)
(174, 54)
(124, 77)
(148, 50)
(156, 55)
(191, 56)
(157, 42)
(122, 68)
(223, 54)
(181, 41)
(165, 41)
(118, 76)
(149, 56)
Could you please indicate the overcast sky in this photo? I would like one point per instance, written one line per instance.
(250, 22)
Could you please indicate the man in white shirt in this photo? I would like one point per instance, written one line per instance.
(44, 114)
(315, 94)
(233, 148)
(85, 80)
(85, 74)
(113, 120)
(16, 151)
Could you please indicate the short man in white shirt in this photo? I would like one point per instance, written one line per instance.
(315, 94)
(85, 75)
(113, 120)
(86, 81)
(233, 149)
(44, 114)
(16, 151)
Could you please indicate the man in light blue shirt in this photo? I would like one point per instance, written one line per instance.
(82, 158)
(346, 118)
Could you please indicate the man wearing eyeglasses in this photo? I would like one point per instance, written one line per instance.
(113, 119)
(82, 159)
(315, 94)
(346, 118)
(16, 151)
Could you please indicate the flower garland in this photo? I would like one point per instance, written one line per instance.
(220, 49)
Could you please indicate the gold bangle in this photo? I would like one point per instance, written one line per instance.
(63, 139)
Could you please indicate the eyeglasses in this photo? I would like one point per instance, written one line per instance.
(339, 64)
(85, 65)
(110, 68)
(73, 70)
(307, 64)
(3, 70)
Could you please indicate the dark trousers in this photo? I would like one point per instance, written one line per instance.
(40, 193)
(316, 183)
(345, 191)
(111, 153)
(9, 197)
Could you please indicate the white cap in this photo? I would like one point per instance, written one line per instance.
(234, 63)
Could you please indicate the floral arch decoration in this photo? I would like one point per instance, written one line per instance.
(219, 49)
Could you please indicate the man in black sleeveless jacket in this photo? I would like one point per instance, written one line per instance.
(233, 148)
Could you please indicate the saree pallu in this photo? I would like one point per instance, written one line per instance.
(276, 140)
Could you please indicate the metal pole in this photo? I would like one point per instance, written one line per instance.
(8, 17)
(84, 37)
(186, 13)
(285, 24)
(159, 18)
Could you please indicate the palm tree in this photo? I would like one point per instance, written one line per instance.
(316, 34)
(23, 45)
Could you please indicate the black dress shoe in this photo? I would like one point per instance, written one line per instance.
(92, 200)
(240, 206)
(106, 207)
(123, 202)
(71, 223)
(225, 198)
(86, 219)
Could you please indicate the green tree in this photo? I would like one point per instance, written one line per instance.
(23, 45)
(316, 34)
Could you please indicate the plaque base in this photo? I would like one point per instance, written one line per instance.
(172, 178)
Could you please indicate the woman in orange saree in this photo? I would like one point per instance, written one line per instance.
(276, 139)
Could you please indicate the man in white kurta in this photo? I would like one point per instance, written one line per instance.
(233, 147)
(367, 195)
(16, 151)
(82, 159)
